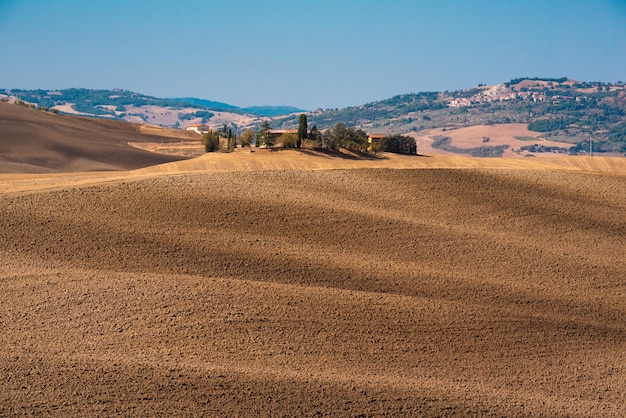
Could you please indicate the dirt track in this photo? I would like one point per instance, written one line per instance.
(334, 292)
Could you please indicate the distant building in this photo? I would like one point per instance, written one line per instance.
(276, 133)
(198, 128)
(374, 138)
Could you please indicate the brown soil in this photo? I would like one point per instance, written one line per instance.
(364, 292)
(187, 149)
(38, 142)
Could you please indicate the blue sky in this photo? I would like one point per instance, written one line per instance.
(323, 53)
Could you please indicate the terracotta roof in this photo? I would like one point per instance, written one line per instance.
(376, 136)
(283, 131)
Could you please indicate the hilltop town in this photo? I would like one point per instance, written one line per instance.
(562, 110)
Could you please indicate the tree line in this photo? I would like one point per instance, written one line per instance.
(338, 137)
(211, 140)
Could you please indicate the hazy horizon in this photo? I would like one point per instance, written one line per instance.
(329, 55)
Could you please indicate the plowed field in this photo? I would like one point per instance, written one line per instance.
(363, 292)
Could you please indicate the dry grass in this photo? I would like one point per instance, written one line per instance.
(472, 137)
(186, 149)
(169, 133)
(265, 160)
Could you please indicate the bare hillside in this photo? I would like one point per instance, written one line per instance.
(290, 292)
(38, 142)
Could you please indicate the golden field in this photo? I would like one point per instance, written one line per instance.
(294, 289)
(286, 283)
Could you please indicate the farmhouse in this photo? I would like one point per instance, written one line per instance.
(198, 128)
(374, 139)
(276, 133)
(279, 132)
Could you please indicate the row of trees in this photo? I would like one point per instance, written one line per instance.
(22, 103)
(399, 144)
(339, 136)
(211, 140)
(289, 140)
(547, 125)
(265, 137)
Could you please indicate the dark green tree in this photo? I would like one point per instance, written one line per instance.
(211, 142)
(326, 139)
(401, 144)
(264, 136)
(232, 140)
(315, 134)
(357, 140)
(339, 136)
(303, 127)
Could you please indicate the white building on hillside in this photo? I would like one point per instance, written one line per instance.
(198, 128)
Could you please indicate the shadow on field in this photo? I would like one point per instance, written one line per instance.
(343, 154)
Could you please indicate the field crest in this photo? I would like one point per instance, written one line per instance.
(246, 285)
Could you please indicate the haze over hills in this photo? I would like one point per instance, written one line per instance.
(566, 112)
(253, 110)
(135, 107)
(561, 110)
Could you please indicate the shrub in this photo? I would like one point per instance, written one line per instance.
(211, 142)
(289, 140)
(247, 137)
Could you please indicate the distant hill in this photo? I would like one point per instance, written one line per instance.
(135, 107)
(559, 109)
(209, 104)
(33, 141)
(266, 111)
(271, 111)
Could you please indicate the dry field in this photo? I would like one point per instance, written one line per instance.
(286, 284)
(40, 142)
(472, 137)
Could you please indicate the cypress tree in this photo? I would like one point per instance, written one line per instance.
(302, 130)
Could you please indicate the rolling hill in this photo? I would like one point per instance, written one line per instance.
(559, 110)
(135, 107)
(34, 141)
(567, 114)
(304, 283)
(247, 289)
